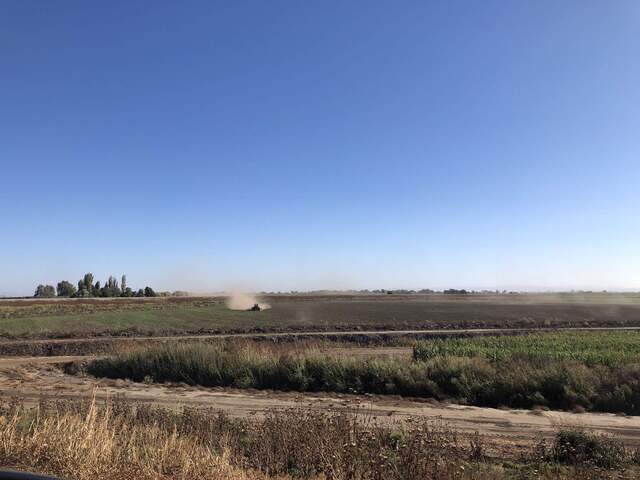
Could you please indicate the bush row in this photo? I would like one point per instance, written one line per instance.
(518, 383)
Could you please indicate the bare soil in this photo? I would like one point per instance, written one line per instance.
(67, 318)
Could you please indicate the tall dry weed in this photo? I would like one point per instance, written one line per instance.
(100, 445)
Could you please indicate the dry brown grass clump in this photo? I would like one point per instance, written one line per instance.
(79, 440)
(100, 445)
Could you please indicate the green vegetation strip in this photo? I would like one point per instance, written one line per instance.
(591, 348)
(520, 381)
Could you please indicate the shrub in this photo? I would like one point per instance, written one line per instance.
(577, 447)
(517, 382)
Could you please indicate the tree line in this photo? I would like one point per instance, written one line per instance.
(87, 288)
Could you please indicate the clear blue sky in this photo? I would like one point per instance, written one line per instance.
(297, 145)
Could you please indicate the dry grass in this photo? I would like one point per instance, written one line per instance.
(84, 441)
(100, 445)
(126, 441)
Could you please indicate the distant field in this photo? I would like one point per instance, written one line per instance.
(165, 316)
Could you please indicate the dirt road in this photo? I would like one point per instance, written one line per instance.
(111, 344)
(34, 378)
(308, 334)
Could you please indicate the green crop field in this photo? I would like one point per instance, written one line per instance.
(145, 320)
(592, 348)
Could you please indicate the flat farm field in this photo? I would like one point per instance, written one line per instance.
(68, 318)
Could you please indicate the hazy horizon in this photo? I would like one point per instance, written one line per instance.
(205, 146)
(229, 290)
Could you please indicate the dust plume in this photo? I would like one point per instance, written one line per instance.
(244, 301)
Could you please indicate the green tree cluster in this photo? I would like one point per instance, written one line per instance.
(66, 289)
(44, 291)
(87, 288)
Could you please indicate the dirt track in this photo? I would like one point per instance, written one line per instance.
(34, 378)
(314, 334)
(109, 344)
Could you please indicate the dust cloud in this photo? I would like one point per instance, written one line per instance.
(244, 301)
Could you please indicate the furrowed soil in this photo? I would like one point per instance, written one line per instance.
(68, 318)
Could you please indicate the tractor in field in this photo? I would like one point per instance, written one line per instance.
(255, 308)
